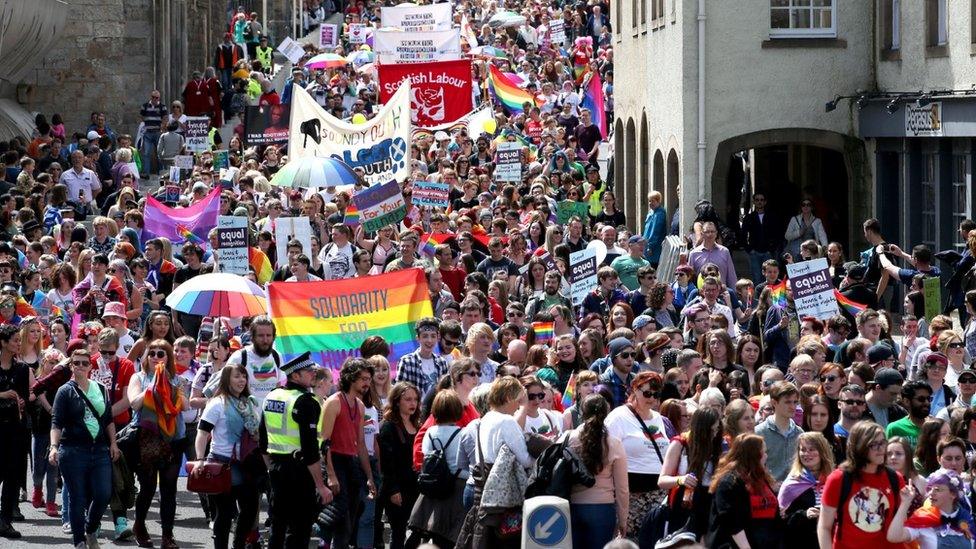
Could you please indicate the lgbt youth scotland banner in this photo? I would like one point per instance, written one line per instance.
(182, 225)
(330, 319)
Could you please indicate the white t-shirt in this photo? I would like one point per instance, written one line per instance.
(263, 375)
(126, 342)
(338, 261)
(371, 426)
(641, 456)
(545, 424)
(215, 413)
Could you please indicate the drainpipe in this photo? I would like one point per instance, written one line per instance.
(701, 99)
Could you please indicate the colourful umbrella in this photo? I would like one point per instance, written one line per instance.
(359, 58)
(326, 61)
(219, 294)
(490, 52)
(314, 172)
(504, 19)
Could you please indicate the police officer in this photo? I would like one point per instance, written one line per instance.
(289, 435)
(264, 55)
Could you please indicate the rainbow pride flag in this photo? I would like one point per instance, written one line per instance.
(261, 264)
(507, 92)
(188, 235)
(352, 215)
(593, 100)
(852, 307)
(569, 395)
(778, 293)
(429, 246)
(330, 319)
(543, 332)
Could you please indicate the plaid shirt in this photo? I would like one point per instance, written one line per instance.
(411, 369)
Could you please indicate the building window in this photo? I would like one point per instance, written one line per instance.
(643, 8)
(929, 209)
(802, 19)
(936, 22)
(633, 13)
(961, 193)
(891, 24)
(618, 10)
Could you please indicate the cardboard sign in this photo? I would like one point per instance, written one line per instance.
(174, 174)
(172, 193)
(813, 292)
(439, 92)
(508, 162)
(266, 125)
(328, 35)
(582, 274)
(431, 194)
(183, 161)
(227, 176)
(393, 46)
(932, 290)
(569, 208)
(232, 252)
(557, 31)
(198, 133)
(221, 159)
(380, 205)
(291, 49)
(289, 228)
(356, 33)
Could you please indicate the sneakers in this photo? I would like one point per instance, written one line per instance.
(66, 528)
(676, 539)
(17, 516)
(51, 510)
(23, 495)
(91, 541)
(37, 500)
(122, 530)
(7, 531)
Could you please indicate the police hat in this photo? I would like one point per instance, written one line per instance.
(298, 363)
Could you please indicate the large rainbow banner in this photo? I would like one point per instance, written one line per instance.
(332, 318)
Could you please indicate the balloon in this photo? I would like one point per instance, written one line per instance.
(359, 118)
(600, 248)
(490, 125)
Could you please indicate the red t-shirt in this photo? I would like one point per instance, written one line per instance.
(470, 414)
(533, 129)
(124, 370)
(867, 512)
(454, 280)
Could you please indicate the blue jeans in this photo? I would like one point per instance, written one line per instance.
(44, 472)
(467, 499)
(364, 536)
(87, 472)
(593, 523)
(150, 160)
(755, 265)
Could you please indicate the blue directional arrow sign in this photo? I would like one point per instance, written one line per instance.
(548, 525)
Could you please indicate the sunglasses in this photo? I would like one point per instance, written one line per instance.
(516, 313)
(853, 402)
(449, 342)
(80, 363)
(157, 353)
(108, 352)
(651, 394)
(631, 354)
(957, 345)
(829, 378)
(537, 396)
(475, 374)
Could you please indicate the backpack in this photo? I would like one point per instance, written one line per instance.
(847, 484)
(436, 480)
(557, 470)
(248, 31)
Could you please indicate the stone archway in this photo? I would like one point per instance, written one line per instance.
(658, 168)
(630, 173)
(671, 193)
(618, 153)
(644, 181)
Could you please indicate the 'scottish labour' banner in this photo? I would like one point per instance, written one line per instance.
(380, 205)
(330, 319)
(439, 92)
(379, 147)
(395, 46)
(182, 225)
(414, 18)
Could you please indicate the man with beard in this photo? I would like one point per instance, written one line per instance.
(882, 401)
(550, 296)
(852, 405)
(916, 396)
(263, 363)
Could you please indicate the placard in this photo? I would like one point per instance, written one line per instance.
(198, 133)
(394, 46)
(174, 174)
(328, 35)
(508, 161)
(221, 159)
(289, 228)
(557, 31)
(431, 194)
(356, 33)
(582, 274)
(172, 194)
(414, 18)
(232, 251)
(380, 205)
(566, 209)
(932, 290)
(291, 49)
(183, 161)
(813, 292)
(266, 125)
(439, 91)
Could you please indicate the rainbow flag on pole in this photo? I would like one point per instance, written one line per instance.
(569, 395)
(507, 92)
(331, 318)
(593, 100)
(352, 215)
(543, 332)
(852, 307)
(778, 293)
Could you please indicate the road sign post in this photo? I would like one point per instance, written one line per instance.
(546, 523)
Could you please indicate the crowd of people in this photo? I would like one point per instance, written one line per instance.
(697, 405)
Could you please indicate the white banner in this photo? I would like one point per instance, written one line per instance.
(292, 228)
(393, 46)
(380, 147)
(474, 122)
(413, 18)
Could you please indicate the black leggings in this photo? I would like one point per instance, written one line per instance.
(243, 500)
(169, 473)
(398, 516)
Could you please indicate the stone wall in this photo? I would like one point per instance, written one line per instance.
(112, 53)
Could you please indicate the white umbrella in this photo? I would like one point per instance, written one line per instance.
(505, 19)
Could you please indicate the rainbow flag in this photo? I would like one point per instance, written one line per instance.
(507, 92)
(175, 223)
(543, 332)
(778, 293)
(569, 395)
(261, 264)
(852, 307)
(593, 100)
(429, 246)
(188, 235)
(521, 139)
(352, 215)
(330, 319)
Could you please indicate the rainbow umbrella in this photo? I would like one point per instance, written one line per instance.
(219, 294)
(314, 172)
(326, 61)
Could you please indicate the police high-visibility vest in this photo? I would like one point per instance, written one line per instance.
(596, 206)
(283, 437)
(264, 56)
(213, 142)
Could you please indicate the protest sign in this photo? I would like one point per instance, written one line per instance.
(174, 174)
(582, 274)
(380, 205)
(183, 161)
(291, 49)
(227, 176)
(813, 292)
(328, 35)
(932, 291)
(221, 159)
(266, 125)
(431, 194)
(394, 46)
(292, 228)
(568, 208)
(379, 147)
(197, 133)
(439, 91)
(413, 18)
(331, 319)
(557, 31)
(356, 33)
(172, 193)
(232, 249)
(508, 162)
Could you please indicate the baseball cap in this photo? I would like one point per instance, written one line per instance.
(93, 135)
(641, 321)
(636, 239)
(441, 136)
(969, 374)
(937, 357)
(886, 377)
(879, 352)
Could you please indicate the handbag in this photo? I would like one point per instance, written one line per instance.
(214, 477)
(510, 525)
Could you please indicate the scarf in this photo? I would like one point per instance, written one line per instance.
(248, 410)
(164, 401)
(794, 486)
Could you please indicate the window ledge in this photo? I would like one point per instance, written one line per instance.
(933, 52)
(775, 43)
(890, 55)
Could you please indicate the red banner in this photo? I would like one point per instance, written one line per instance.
(440, 92)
